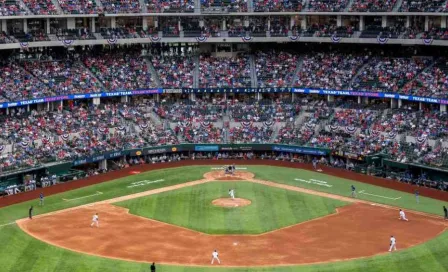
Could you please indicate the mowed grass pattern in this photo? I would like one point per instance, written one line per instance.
(271, 208)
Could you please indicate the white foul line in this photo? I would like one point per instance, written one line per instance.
(97, 193)
(4, 225)
(391, 198)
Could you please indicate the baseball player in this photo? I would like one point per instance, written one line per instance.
(353, 191)
(30, 213)
(314, 163)
(41, 199)
(417, 196)
(95, 220)
(232, 193)
(215, 257)
(445, 211)
(403, 216)
(393, 243)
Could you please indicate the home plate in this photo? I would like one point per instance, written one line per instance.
(373, 204)
(235, 243)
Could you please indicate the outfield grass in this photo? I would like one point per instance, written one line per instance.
(20, 252)
(271, 208)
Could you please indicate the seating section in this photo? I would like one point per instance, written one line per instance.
(121, 6)
(373, 5)
(423, 6)
(328, 5)
(11, 8)
(389, 74)
(121, 71)
(252, 134)
(41, 7)
(172, 6)
(275, 69)
(190, 112)
(224, 72)
(328, 71)
(79, 6)
(226, 5)
(432, 82)
(174, 71)
(278, 5)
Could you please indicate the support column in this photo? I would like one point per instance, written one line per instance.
(92, 25)
(4, 26)
(258, 97)
(158, 97)
(361, 23)
(71, 24)
(113, 22)
(224, 25)
(27, 108)
(48, 26)
(156, 23)
(303, 23)
(124, 99)
(48, 106)
(246, 22)
(366, 100)
(269, 23)
(408, 21)
(201, 22)
(442, 108)
(420, 106)
(102, 164)
(292, 22)
(384, 21)
(426, 23)
(359, 99)
(393, 103)
(25, 25)
(443, 22)
(400, 103)
(179, 25)
(330, 98)
(339, 20)
(293, 97)
(145, 23)
(96, 101)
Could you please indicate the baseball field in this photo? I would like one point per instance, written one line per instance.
(283, 219)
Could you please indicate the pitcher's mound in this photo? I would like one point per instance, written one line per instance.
(231, 203)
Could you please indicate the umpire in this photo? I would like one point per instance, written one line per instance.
(30, 213)
(153, 267)
(445, 211)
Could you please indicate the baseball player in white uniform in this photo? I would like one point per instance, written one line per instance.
(403, 216)
(232, 193)
(215, 257)
(393, 243)
(95, 220)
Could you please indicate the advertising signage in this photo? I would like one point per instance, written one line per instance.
(226, 90)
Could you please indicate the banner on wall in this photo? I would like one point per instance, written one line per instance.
(227, 91)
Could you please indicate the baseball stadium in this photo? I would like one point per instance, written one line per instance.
(223, 135)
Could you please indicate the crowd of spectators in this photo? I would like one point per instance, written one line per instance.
(278, 5)
(41, 7)
(250, 134)
(432, 82)
(121, 6)
(12, 7)
(224, 72)
(198, 111)
(373, 5)
(200, 133)
(79, 6)
(328, 5)
(389, 74)
(422, 6)
(275, 68)
(158, 6)
(329, 70)
(174, 71)
(256, 112)
(120, 70)
(64, 76)
(226, 5)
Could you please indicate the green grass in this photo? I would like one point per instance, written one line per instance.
(20, 252)
(271, 208)
(109, 189)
